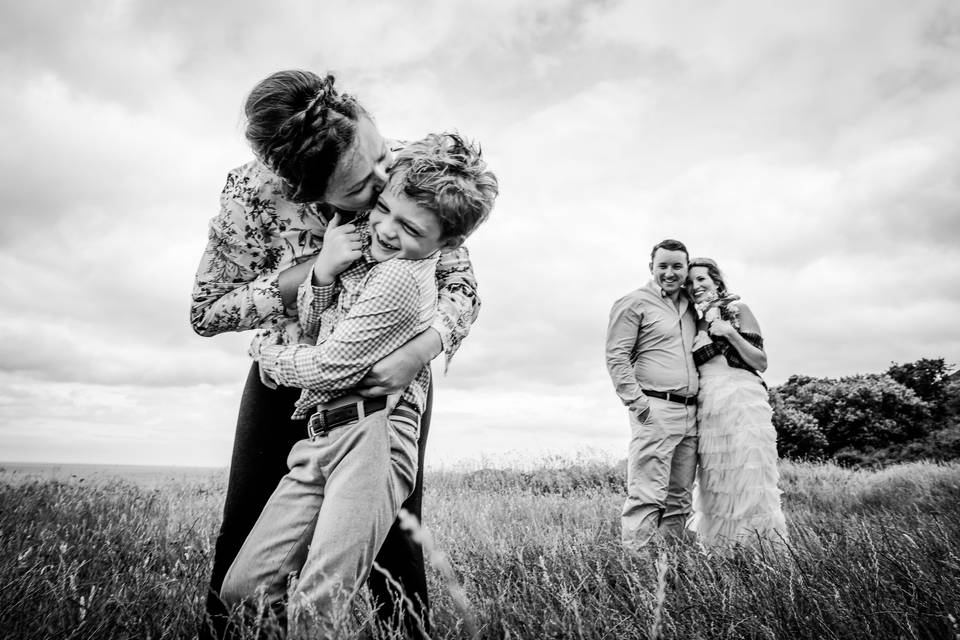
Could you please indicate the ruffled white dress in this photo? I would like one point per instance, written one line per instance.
(735, 497)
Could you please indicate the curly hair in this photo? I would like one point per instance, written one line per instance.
(713, 271)
(448, 176)
(298, 124)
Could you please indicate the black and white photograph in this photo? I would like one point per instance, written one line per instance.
(516, 319)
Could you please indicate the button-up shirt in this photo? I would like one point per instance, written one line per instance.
(650, 344)
(370, 310)
(258, 234)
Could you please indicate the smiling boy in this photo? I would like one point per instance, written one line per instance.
(372, 288)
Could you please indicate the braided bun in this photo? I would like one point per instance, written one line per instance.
(299, 125)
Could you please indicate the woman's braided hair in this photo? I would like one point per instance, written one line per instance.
(299, 125)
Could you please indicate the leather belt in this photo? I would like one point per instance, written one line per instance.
(325, 420)
(670, 397)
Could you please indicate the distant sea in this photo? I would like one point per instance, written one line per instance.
(17, 472)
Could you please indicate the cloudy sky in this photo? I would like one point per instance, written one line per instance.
(812, 148)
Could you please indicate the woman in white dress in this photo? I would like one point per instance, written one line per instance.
(736, 499)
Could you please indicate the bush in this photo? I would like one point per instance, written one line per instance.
(847, 419)
(941, 446)
(873, 411)
(798, 434)
(952, 403)
(928, 379)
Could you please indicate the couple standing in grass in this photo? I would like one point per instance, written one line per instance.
(685, 357)
(346, 254)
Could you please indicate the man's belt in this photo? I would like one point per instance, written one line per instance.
(670, 397)
(324, 420)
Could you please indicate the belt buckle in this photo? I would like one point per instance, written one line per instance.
(316, 424)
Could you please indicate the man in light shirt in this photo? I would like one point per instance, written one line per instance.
(649, 358)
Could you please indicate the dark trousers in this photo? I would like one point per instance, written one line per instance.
(265, 435)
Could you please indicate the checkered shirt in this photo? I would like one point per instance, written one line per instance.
(371, 310)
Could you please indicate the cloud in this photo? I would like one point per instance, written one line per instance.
(511, 423)
(90, 423)
(71, 351)
(812, 152)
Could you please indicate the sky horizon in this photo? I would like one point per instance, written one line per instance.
(813, 151)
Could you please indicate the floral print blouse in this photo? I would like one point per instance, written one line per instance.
(258, 234)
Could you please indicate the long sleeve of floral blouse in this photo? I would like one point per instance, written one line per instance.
(236, 284)
(458, 304)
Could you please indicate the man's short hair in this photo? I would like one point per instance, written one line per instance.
(446, 175)
(670, 245)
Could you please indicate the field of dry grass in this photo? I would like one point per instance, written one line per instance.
(873, 554)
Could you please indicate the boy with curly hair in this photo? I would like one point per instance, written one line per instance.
(372, 289)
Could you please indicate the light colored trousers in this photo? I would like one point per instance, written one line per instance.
(661, 467)
(328, 517)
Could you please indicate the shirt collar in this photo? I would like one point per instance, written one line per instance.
(653, 286)
(364, 230)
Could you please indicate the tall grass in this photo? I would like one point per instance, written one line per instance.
(108, 560)
(535, 554)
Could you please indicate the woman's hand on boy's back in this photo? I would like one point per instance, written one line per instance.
(341, 247)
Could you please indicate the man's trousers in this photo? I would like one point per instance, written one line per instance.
(661, 466)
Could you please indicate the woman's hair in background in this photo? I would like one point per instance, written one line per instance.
(713, 271)
(447, 175)
(299, 125)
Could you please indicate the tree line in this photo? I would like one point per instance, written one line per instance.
(909, 412)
